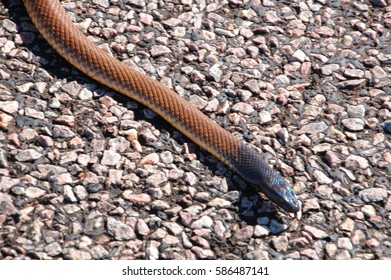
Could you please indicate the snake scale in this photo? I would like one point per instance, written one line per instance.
(54, 24)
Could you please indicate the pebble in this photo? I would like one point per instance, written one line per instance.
(158, 50)
(353, 124)
(373, 195)
(10, 107)
(34, 192)
(316, 233)
(260, 231)
(203, 222)
(243, 108)
(119, 230)
(244, 234)
(110, 158)
(314, 128)
(137, 199)
(321, 177)
(280, 243)
(28, 155)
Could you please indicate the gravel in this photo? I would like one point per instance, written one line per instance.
(86, 173)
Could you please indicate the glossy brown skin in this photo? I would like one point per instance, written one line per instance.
(54, 24)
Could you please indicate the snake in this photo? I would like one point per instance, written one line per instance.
(56, 27)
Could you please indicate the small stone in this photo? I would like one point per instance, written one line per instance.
(373, 195)
(68, 194)
(281, 80)
(329, 69)
(203, 222)
(243, 108)
(314, 128)
(197, 101)
(356, 111)
(353, 124)
(331, 249)
(354, 73)
(344, 243)
(352, 83)
(45, 141)
(166, 157)
(62, 131)
(118, 144)
(321, 177)
(300, 55)
(264, 117)
(160, 205)
(353, 162)
(173, 228)
(99, 252)
(253, 86)
(73, 254)
(244, 234)
(119, 230)
(223, 32)
(137, 199)
(142, 227)
(159, 50)
(110, 158)
(150, 159)
(62, 179)
(369, 211)
(198, 240)
(53, 249)
(190, 178)
(80, 192)
(215, 72)
(5, 120)
(219, 203)
(316, 233)
(280, 243)
(372, 243)
(325, 31)
(311, 204)
(155, 180)
(260, 231)
(202, 253)
(310, 254)
(10, 107)
(348, 225)
(34, 192)
(28, 155)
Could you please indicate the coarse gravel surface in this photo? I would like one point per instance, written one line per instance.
(86, 173)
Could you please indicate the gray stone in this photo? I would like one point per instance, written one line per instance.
(353, 124)
(119, 230)
(329, 69)
(313, 128)
(28, 155)
(10, 107)
(280, 243)
(316, 233)
(356, 111)
(110, 158)
(203, 222)
(373, 195)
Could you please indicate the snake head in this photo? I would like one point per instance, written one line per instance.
(255, 169)
(281, 193)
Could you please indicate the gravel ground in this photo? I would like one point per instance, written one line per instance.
(88, 174)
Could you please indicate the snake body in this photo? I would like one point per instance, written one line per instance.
(54, 24)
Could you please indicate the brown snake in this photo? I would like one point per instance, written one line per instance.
(56, 27)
